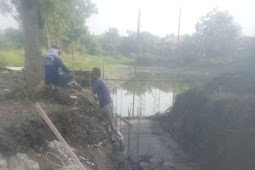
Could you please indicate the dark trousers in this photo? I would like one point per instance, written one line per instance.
(64, 79)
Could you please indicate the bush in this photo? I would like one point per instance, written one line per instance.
(82, 49)
(217, 127)
(146, 60)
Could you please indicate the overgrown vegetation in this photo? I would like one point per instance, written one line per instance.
(214, 123)
(12, 58)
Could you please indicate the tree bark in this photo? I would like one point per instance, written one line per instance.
(34, 69)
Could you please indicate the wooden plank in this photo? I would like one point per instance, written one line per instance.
(59, 136)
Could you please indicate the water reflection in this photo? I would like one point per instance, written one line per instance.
(151, 96)
(150, 102)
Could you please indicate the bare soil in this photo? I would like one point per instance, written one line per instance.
(75, 115)
(156, 148)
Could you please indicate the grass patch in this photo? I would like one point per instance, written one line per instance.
(13, 58)
(87, 62)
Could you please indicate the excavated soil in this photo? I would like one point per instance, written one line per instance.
(75, 115)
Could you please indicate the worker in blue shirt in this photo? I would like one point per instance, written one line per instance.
(106, 106)
(52, 63)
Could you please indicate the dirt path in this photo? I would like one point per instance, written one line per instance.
(156, 148)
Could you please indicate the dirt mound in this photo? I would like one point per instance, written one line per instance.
(241, 83)
(75, 115)
(10, 82)
(215, 123)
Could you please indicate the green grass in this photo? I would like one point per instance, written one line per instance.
(81, 62)
(87, 62)
(13, 58)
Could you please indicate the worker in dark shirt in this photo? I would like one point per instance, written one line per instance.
(106, 107)
(52, 63)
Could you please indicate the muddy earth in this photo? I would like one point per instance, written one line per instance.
(152, 148)
(75, 115)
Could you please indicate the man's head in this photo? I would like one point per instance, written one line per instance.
(95, 73)
(54, 50)
(56, 47)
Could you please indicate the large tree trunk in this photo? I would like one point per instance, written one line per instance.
(34, 70)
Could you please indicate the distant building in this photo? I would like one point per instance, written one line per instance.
(174, 41)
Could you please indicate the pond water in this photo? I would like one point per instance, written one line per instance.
(150, 102)
(151, 96)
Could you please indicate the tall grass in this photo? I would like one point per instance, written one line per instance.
(12, 58)
(81, 62)
(87, 62)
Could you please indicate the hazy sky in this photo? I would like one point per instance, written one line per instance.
(160, 17)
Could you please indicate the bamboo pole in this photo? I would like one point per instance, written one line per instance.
(129, 135)
(73, 57)
(124, 121)
(120, 107)
(58, 135)
(139, 110)
(103, 70)
(137, 48)
(178, 56)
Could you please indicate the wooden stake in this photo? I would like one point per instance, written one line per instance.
(58, 135)
(124, 120)
(128, 149)
(73, 57)
(137, 53)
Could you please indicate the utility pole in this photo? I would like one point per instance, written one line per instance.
(135, 62)
(178, 57)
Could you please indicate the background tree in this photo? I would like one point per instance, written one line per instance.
(64, 20)
(217, 34)
(127, 44)
(11, 39)
(110, 41)
(15, 37)
(61, 22)
(188, 51)
(89, 44)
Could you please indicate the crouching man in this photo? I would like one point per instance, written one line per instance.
(52, 63)
(106, 106)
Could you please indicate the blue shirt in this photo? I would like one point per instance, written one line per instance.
(51, 65)
(100, 88)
